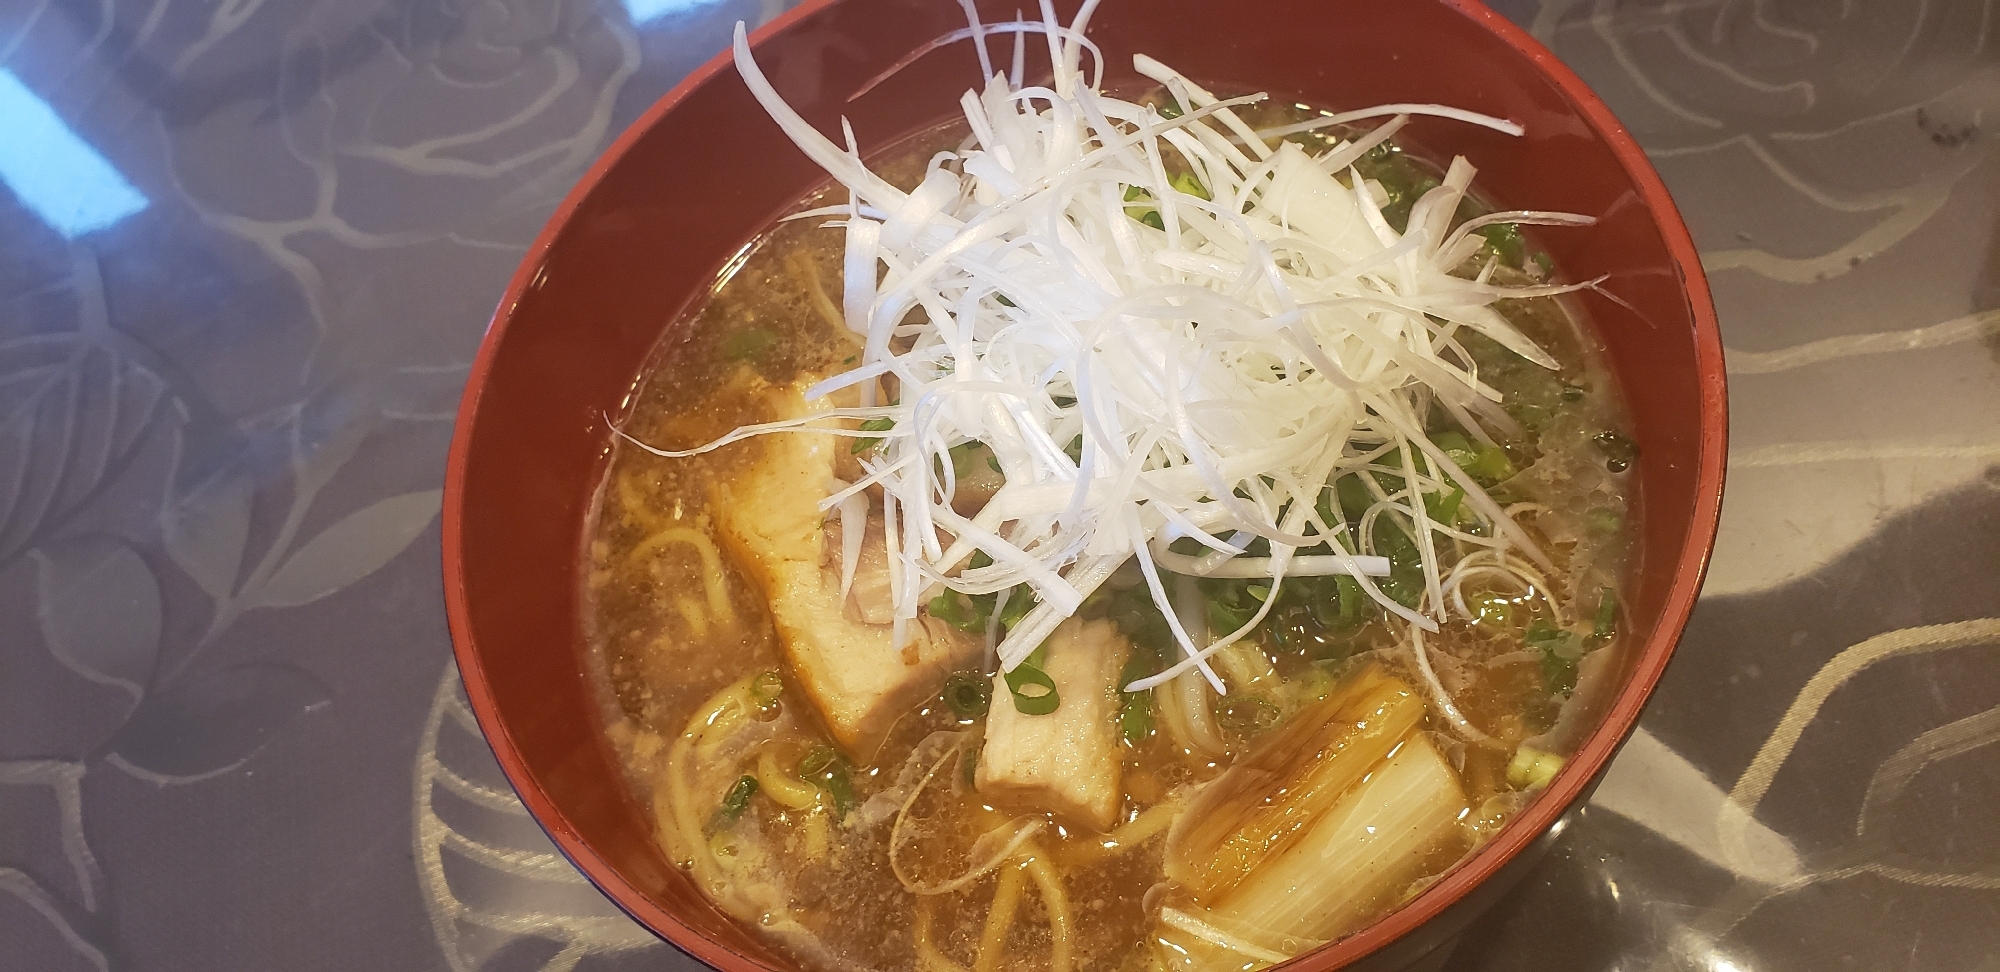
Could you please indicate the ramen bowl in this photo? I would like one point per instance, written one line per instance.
(645, 234)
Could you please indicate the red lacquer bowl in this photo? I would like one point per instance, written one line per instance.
(646, 231)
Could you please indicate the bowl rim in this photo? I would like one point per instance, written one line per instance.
(1579, 772)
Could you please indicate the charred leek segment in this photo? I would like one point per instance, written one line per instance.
(1327, 823)
(1264, 803)
(1159, 324)
(1357, 859)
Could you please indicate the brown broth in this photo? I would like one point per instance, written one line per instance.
(676, 623)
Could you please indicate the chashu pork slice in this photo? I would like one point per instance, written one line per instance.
(1066, 762)
(768, 516)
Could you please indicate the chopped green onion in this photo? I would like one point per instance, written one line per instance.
(1020, 600)
(1492, 466)
(1457, 448)
(1505, 239)
(1138, 617)
(1227, 617)
(968, 694)
(842, 790)
(1607, 615)
(766, 688)
(827, 769)
(962, 611)
(1405, 583)
(866, 443)
(1354, 495)
(1560, 650)
(1146, 215)
(1401, 198)
(1187, 184)
(817, 761)
(1353, 600)
(736, 801)
(1226, 608)
(1532, 767)
(1486, 464)
(1443, 507)
(747, 344)
(1135, 709)
(962, 457)
(1323, 505)
(1604, 520)
(1033, 690)
(1334, 601)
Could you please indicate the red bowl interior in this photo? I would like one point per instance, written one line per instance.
(645, 232)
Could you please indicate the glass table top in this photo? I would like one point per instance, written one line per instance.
(248, 248)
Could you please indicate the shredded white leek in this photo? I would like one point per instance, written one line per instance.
(1219, 371)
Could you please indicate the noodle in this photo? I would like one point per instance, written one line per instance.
(1054, 900)
(819, 836)
(712, 581)
(929, 957)
(999, 920)
(1176, 918)
(1020, 836)
(1154, 821)
(783, 787)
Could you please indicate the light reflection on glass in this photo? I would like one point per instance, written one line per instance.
(642, 11)
(55, 173)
